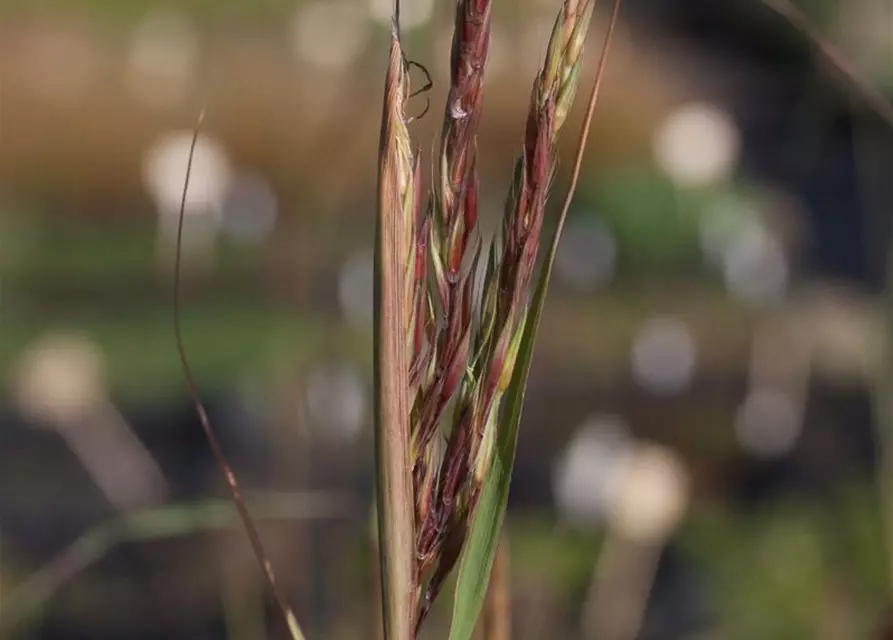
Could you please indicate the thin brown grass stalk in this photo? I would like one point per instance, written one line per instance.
(216, 450)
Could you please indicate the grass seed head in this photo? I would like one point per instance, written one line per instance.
(503, 307)
(452, 256)
(458, 351)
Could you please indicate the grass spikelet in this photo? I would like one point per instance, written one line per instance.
(454, 213)
(507, 289)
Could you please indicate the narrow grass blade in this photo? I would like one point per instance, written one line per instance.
(25, 601)
(483, 538)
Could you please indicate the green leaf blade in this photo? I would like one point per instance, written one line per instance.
(486, 524)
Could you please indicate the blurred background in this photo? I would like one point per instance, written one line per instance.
(707, 445)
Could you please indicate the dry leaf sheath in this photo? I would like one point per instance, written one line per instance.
(397, 176)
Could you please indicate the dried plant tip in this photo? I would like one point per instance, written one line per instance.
(395, 503)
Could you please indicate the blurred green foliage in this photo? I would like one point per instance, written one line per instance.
(792, 568)
(655, 223)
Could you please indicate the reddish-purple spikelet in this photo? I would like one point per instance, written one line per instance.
(503, 310)
(455, 211)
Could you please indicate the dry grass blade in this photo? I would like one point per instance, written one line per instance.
(394, 486)
(216, 449)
